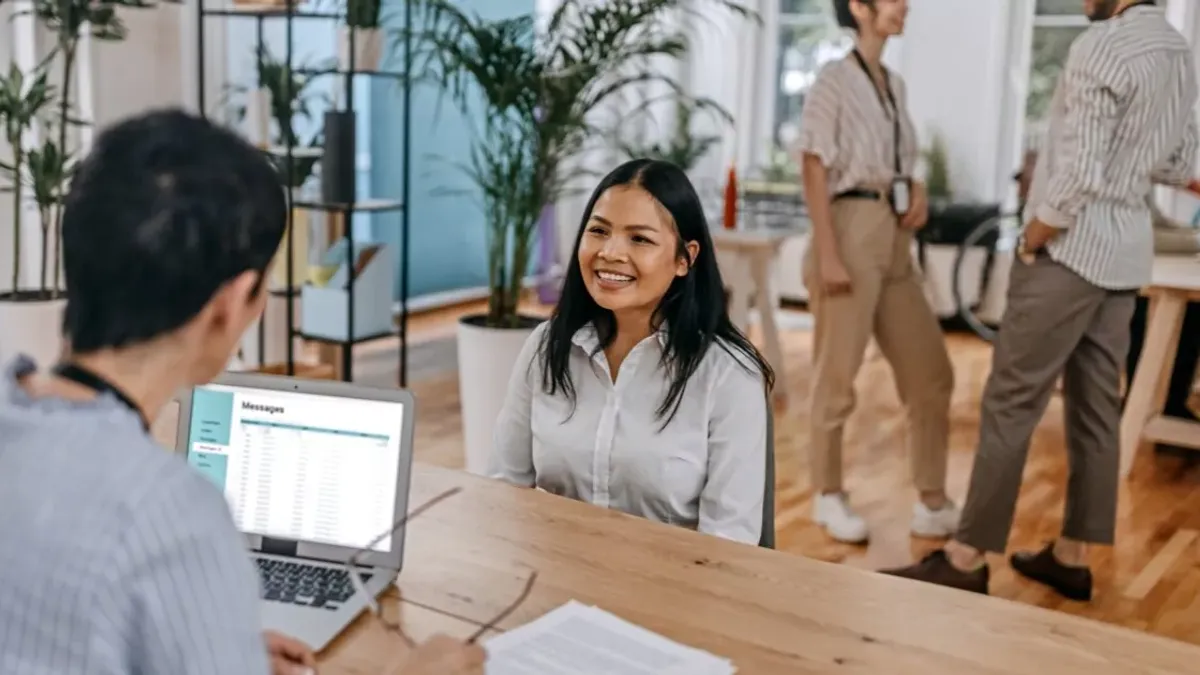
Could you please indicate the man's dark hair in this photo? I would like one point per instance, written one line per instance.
(165, 210)
(845, 19)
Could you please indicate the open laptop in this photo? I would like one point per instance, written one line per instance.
(312, 471)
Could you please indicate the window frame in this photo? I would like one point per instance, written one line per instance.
(765, 116)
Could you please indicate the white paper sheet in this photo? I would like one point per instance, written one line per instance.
(576, 639)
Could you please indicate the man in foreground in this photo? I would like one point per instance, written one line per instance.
(1122, 118)
(115, 557)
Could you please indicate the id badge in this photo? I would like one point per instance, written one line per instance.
(901, 197)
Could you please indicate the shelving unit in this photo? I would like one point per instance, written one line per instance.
(289, 13)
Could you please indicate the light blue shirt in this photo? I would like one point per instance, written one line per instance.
(115, 557)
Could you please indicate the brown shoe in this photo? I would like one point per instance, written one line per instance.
(1071, 582)
(936, 568)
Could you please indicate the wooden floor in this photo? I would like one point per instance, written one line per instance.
(1149, 581)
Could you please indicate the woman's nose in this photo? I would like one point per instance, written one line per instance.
(613, 249)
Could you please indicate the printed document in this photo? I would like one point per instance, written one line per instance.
(578, 639)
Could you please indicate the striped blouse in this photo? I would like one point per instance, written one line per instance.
(115, 557)
(1122, 119)
(845, 124)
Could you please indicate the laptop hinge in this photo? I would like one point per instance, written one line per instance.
(282, 547)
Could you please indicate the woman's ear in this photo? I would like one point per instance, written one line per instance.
(693, 249)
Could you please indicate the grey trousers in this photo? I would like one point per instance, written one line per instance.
(1055, 323)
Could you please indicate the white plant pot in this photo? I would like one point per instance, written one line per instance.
(32, 328)
(368, 48)
(485, 364)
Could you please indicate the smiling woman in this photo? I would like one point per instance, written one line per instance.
(639, 394)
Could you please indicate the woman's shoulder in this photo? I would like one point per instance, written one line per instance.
(731, 366)
(835, 69)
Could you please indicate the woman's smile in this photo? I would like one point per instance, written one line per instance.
(613, 281)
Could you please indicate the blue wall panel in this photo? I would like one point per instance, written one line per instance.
(446, 231)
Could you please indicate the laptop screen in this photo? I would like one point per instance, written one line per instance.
(300, 467)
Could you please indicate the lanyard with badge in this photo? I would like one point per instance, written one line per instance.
(86, 378)
(900, 190)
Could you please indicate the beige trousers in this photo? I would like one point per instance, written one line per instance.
(887, 302)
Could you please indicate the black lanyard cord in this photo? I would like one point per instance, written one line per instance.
(86, 378)
(894, 110)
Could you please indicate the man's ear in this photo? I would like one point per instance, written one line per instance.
(238, 296)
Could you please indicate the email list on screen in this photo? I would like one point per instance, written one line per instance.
(297, 466)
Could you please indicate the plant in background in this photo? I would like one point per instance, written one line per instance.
(22, 99)
(545, 88)
(937, 169)
(292, 98)
(686, 147)
(49, 172)
(67, 20)
(780, 167)
(503, 167)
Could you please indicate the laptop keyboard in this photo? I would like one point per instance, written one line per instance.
(299, 583)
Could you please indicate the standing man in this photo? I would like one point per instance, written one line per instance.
(1122, 119)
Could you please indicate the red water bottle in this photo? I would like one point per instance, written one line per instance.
(731, 196)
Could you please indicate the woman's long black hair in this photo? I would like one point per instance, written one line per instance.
(694, 307)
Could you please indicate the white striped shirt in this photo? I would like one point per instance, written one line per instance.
(845, 124)
(1121, 119)
(115, 557)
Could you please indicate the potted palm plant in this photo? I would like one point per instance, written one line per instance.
(22, 99)
(362, 36)
(539, 93)
(30, 318)
(26, 314)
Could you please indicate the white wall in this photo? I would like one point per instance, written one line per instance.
(954, 61)
(144, 71)
(1185, 16)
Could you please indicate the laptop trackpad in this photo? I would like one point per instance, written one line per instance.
(311, 625)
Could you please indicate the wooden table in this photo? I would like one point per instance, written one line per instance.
(770, 612)
(1176, 282)
(748, 261)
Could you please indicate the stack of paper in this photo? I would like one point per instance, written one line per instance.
(576, 639)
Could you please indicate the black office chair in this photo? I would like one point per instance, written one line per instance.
(767, 539)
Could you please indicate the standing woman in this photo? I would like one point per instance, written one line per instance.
(858, 149)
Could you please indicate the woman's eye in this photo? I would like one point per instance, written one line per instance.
(637, 238)
(595, 229)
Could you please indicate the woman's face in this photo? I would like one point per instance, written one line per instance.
(886, 18)
(628, 252)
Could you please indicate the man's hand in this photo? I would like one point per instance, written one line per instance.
(1036, 235)
(443, 655)
(1193, 186)
(289, 656)
(918, 212)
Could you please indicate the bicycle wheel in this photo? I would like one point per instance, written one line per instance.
(982, 240)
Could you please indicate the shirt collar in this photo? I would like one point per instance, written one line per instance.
(588, 339)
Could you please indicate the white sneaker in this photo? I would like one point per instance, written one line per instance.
(935, 524)
(833, 512)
